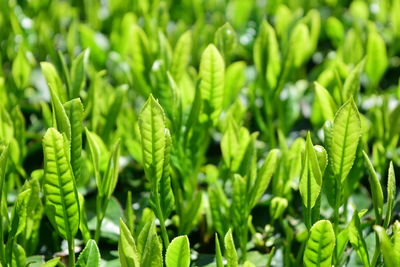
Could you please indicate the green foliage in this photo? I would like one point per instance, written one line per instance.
(141, 133)
(320, 244)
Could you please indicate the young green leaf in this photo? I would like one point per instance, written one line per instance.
(110, 178)
(377, 60)
(352, 84)
(149, 246)
(212, 72)
(78, 77)
(346, 133)
(267, 56)
(90, 255)
(181, 56)
(320, 245)
(311, 177)
(230, 250)
(165, 190)
(328, 105)
(21, 69)
(128, 253)
(62, 202)
(264, 177)
(218, 254)
(60, 119)
(278, 206)
(391, 195)
(74, 111)
(53, 80)
(225, 39)
(357, 240)
(178, 252)
(376, 189)
(389, 249)
(152, 128)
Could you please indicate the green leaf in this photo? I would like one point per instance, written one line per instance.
(391, 195)
(225, 39)
(277, 207)
(21, 69)
(391, 256)
(166, 195)
(113, 111)
(346, 134)
(327, 104)
(62, 202)
(341, 241)
(178, 252)
(152, 131)
(320, 245)
(78, 77)
(74, 111)
(376, 189)
(219, 209)
(90, 255)
(389, 248)
(218, 254)
(149, 246)
(230, 250)
(52, 263)
(311, 177)
(264, 176)
(60, 119)
(94, 147)
(377, 60)
(239, 206)
(357, 240)
(267, 58)
(83, 225)
(181, 56)
(53, 80)
(352, 83)
(128, 253)
(300, 44)
(212, 72)
(110, 178)
(18, 256)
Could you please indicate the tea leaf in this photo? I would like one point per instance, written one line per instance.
(357, 240)
(181, 56)
(311, 177)
(128, 254)
(230, 250)
(212, 72)
(62, 202)
(391, 194)
(178, 252)
(320, 245)
(152, 127)
(90, 255)
(346, 133)
(74, 111)
(376, 189)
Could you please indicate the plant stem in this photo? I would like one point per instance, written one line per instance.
(71, 253)
(375, 258)
(336, 218)
(98, 229)
(160, 216)
(164, 233)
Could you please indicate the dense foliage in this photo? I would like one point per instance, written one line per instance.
(199, 133)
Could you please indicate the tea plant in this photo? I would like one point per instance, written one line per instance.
(199, 133)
